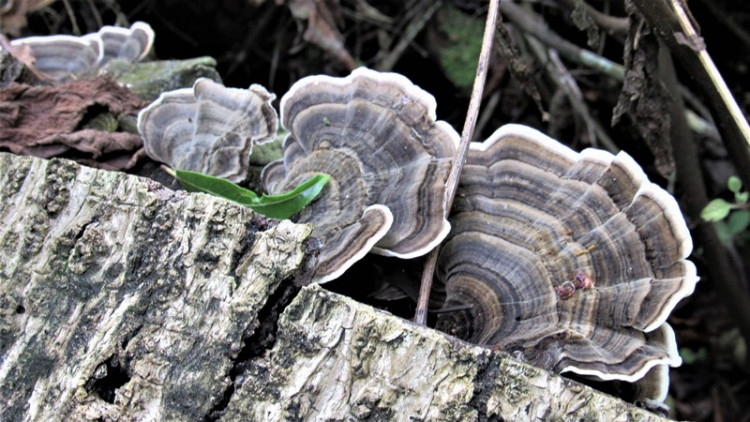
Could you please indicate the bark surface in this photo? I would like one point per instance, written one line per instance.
(123, 300)
(336, 359)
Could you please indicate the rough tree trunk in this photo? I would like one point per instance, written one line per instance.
(123, 300)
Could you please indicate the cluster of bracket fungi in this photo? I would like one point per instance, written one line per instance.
(570, 261)
(61, 57)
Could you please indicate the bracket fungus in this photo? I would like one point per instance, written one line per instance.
(377, 136)
(208, 128)
(570, 261)
(129, 44)
(61, 57)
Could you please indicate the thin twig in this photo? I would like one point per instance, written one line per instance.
(489, 109)
(410, 33)
(95, 13)
(535, 26)
(490, 26)
(72, 16)
(713, 73)
(565, 82)
(611, 24)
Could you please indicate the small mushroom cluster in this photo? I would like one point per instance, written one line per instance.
(374, 133)
(61, 57)
(571, 261)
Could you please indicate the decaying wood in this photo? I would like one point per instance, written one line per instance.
(123, 300)
(110, 279)
(336, 359)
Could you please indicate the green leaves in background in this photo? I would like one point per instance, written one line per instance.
(274, 206)
(719, 209)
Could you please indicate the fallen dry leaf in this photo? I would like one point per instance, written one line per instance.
(13, 15)
(48, 121)
(321, 28)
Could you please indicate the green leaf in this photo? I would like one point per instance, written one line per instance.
(734, 184)
(722, 230)
(741, 197)
(198, 182)
(738, 221)
(274, 206)
(690, 356)
(716, 210)
(287, 204)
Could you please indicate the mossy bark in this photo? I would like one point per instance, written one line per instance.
(338, 360)
(123, 300)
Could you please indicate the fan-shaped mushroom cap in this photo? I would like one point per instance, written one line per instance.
(208, 128)
(60, 57)
(572, 261)
(376, 134)
(129, 44)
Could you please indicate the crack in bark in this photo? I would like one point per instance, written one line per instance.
(262, 338)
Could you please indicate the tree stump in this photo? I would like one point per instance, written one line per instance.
(124, 300)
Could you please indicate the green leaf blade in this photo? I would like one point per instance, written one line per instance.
(193, 181)
(734, 184)
(274, 206)
(287, 204)
(716, 210)
(738, 221)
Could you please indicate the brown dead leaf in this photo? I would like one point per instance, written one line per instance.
(645, 99)
(13, 16)
(321, 28)
(48, 121)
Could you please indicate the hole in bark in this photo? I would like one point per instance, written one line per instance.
(262, 339)
(107, 378)
(20, 309)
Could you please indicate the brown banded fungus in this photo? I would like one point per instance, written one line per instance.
(61, 57)
(376, 134)
(208, 128)
(570, 261)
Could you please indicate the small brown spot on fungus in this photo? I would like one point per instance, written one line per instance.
(566, 290)
(582, 280)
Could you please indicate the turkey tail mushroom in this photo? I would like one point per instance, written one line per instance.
(571, 261)
(208, 128)
(129, 44)
(61, 57)
(376, 134)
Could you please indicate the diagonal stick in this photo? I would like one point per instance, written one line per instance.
(490, 26)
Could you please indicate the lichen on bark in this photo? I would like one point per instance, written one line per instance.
(124, 300)
(336, 359)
